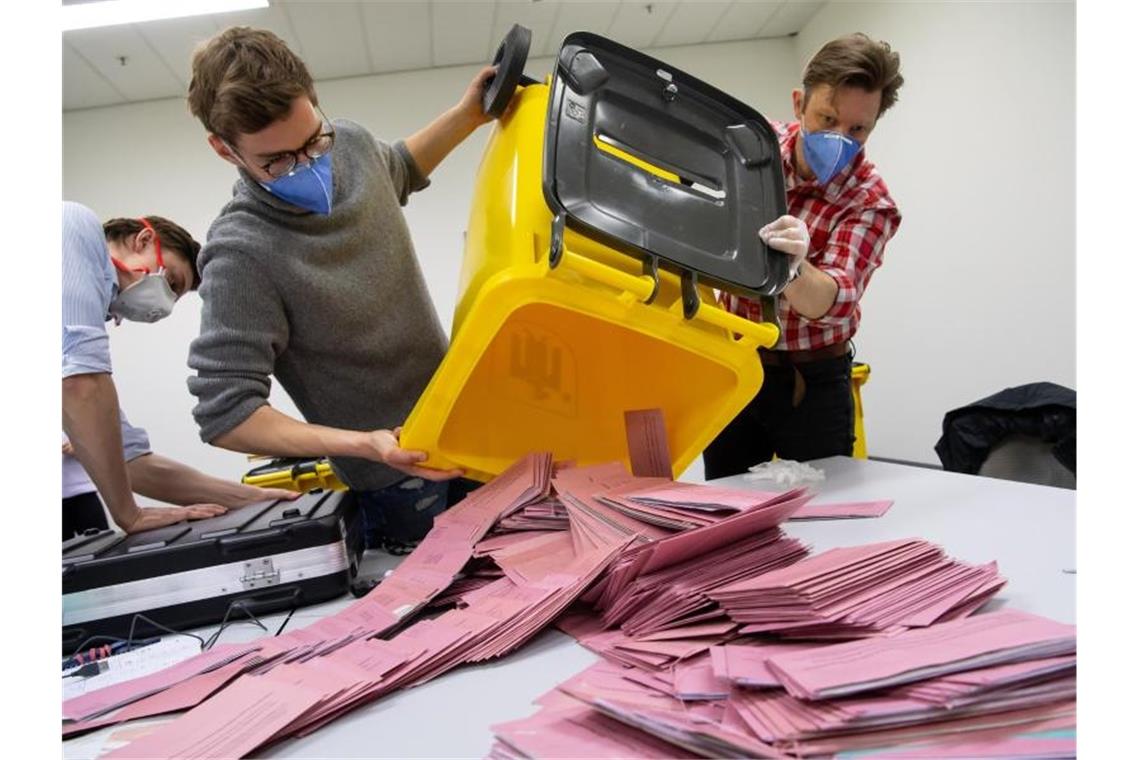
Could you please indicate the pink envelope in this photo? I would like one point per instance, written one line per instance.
(844, 510)
(100, 701)
(231, 724)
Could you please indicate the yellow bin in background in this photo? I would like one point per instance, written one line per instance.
(859, 374)
(550, 359)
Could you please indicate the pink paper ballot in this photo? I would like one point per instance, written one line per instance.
(842, 511)
(232, 724)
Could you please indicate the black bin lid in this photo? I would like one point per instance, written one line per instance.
(725, 152)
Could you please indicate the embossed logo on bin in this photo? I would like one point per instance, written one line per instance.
(537, 368)
(575, 110)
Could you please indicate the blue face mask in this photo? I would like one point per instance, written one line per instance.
(828, 153)
(309, 186)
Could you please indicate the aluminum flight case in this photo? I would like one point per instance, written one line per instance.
(266, 557)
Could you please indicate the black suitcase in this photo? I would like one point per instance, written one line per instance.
(266, 557)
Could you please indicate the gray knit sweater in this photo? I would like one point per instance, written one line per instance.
(335, 307)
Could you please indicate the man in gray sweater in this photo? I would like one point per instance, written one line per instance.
(309, 275)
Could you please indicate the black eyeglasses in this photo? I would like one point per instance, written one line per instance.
(317, 146)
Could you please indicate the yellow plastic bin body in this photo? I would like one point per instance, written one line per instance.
(859, 376)
(301, 476)
(548, 359)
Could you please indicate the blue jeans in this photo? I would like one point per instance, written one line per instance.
(403, 512)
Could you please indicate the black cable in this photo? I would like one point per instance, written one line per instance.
(239, 605)
(285, 622)
(131, 634)
(160, 626)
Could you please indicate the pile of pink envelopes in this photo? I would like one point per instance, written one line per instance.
(997, 685)
(860, 590)
(717, 631)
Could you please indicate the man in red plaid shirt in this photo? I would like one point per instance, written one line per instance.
(840, 217)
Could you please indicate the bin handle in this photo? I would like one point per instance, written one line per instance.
(764, 334)
(644, 288)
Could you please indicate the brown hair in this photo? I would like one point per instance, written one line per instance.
(242, 80)
(856, 60)
(172, 238)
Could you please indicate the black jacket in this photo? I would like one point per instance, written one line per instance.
(1042, 410)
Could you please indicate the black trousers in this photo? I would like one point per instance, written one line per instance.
(81, 512)
(822, 425)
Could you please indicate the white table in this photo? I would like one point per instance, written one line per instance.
(1028, 529)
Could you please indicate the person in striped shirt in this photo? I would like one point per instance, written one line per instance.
(840, 218)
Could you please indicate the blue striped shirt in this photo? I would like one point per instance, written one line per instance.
(89, 286)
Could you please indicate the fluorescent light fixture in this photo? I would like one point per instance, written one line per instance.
(110, 12)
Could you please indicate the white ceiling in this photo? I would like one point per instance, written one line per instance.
(338, 38)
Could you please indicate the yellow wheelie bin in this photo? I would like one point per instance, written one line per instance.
(610, 201)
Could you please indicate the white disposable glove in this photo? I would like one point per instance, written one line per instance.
(786, 472)
(789, 235)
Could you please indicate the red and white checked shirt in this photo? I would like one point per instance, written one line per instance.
(850, 220)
